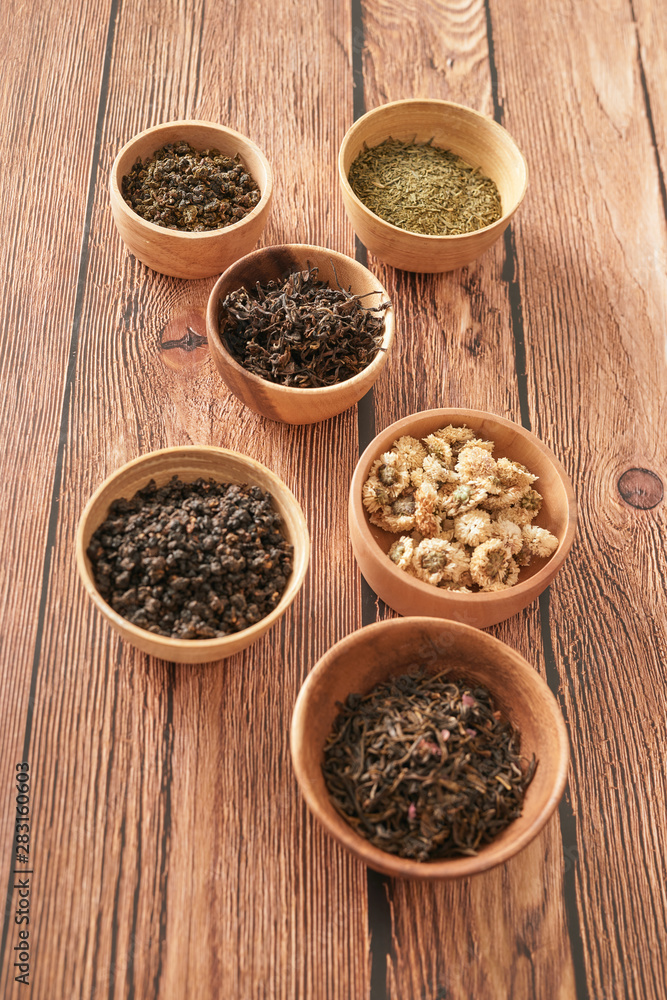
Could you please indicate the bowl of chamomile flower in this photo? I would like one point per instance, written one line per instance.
(460, 514)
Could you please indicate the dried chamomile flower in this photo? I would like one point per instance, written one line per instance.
(509, 534)
(455, 437)
(437, 561)
(490, 564)
(512, 512)
(439, 448)
(411, 452)
(391, 472)
(431, 559)
(374, 495)
(479, 443)
(458, 568)
(438, 471)
(399, 516)
(539, 541)
(426, 499)
(511, 578)
(402, 551)
(531, 501)
(514, 474)
(473, 528)
(475, 463)
(465, 497)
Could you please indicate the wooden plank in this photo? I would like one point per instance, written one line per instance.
(594, 307)
(503, 933)
(46, 171)
(179, 851)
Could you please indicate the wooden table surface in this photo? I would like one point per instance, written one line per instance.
(171, 853)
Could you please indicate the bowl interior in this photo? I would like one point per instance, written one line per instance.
(511, 441)
(189, 464)
(275, 263)
(371, 655)
(478, 140)
(200, 135)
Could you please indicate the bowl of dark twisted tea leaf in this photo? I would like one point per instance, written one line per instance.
(299, 333)
(428, 749)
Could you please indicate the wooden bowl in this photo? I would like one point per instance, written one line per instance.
(184, 254)
(410, 596)
(373, 654)
(283, 403)
(191, 463)
(479, 140)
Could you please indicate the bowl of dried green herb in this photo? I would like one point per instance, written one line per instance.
(189, 197)
(428, 749)
(192, 553)
(429, 185)
(299, 333)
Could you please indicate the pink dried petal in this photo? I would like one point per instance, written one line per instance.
(468, 700)
(445, 734)
(471, 732)
(412, 811)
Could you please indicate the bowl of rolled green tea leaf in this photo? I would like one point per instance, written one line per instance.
(299, 333)
(192, 553)
(428, 748)
(189, 198)
(429, 185)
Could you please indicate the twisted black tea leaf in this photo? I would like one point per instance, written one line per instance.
(425, 768)
(424, 189)
(179, 187)
(300, 332)
(192, 560)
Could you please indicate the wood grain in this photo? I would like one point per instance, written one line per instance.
(165, 791)
(466, 343)
(173, 854)
(582, 329)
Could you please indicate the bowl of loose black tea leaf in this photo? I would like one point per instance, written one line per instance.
(299, 333)
(427, 748)
(429, 185)
(460, 514)
(190, 197)
(192, 553)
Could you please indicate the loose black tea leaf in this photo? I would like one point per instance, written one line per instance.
(192, 560)
(179, 187)
(300, 332)
(424, 767)
(424, 189)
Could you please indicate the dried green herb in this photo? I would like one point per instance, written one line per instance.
(192, 560)
(424, 189)
(301, 332)
(181, 188)
(424, 767)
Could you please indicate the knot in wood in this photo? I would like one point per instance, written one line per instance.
(641, 488)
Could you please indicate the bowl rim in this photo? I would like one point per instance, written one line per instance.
(299, 568)
(375, 365)
(262, 204)
(449, 239)
(398, 428)
(374, 857)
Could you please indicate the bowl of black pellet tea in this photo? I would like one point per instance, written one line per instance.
(192, 553)
(299, 333)
(189, 197)
(429, 185)
(428, 748)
